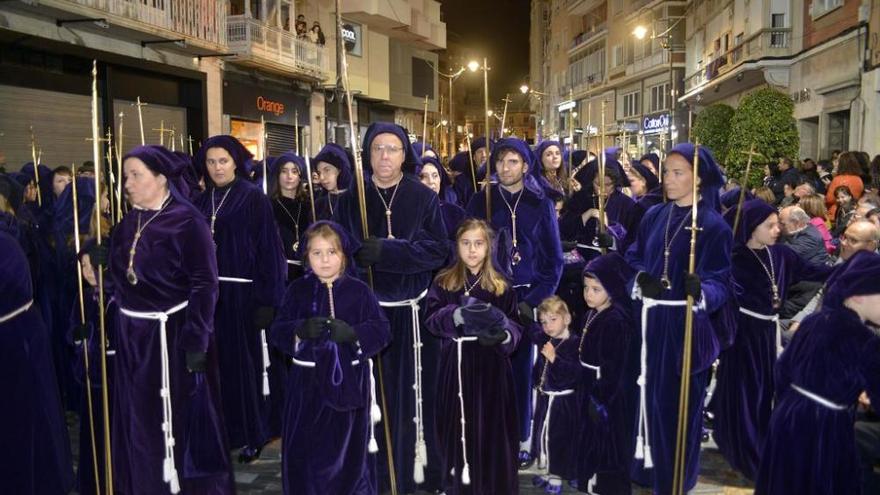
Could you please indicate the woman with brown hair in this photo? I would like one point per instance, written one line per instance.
(849, 173)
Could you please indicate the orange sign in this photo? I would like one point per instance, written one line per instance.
(266, 105)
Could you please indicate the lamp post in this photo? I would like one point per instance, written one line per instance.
(640, 32)
(537, 95)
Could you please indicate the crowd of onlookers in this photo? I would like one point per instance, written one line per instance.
(315, 34)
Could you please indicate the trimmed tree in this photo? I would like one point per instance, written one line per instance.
(712, 128)
(764, 118)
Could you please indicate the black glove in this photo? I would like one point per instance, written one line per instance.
(568, 246)
(370, 252)
(493, 336)
(263, 317)
(692, 286)
(196, 362)
(79, 332)
(649, 285)
(596, 412)
(98, 255)
(526, 313)
(312, 328)
(341, 332)
(604, 240)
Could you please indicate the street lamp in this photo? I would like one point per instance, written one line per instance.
(524, 89)
(640, 32)
(452, 76)
(473, 66)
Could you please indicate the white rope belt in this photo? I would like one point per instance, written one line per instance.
(589, 246)
(643, 442)
(774, 318)
(421, 451)
(544, 441)
(294, 262)
(13, 314)
(597, 369)
(818, 399)
(169, 471)
(466, 470)
(264, 346)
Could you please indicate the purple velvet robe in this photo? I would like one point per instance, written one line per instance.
(408, 262)
(35, 458)
(743, 396)
(327, 409)
(464, 188)
(810, 449)
(487, 388)
(293, 217)
(665, 332)
(174, 262)
(326, 205)
(248, 246)
(611, 344)
(566, 417)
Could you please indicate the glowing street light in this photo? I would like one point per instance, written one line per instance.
(473, 66)
(524, 89)
(640, 32)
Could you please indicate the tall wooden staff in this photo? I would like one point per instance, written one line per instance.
(296, 130)
(467, 135)
(311, 188)
(36, 169)
(602, 193)
(424, 127)
(684, 391)
(362, 206)
(111, 183)
(141, 120)
(506, 100)
(488, 140)
(570, 137)
(96, 157)
(264, 151)
(742, 188)
(82, 321)
(120, 180)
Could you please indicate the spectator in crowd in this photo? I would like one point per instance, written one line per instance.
(874, 216)
(814, 206)
(824, 169)
(799, 234)
(810, 173)
(848, 174)
(786, 181)
(301, 26)
(845, 209)
(864, 160)
(766, 194)
(316, 35)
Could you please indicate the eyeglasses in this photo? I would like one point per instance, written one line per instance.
(853, 240)
(391, 149)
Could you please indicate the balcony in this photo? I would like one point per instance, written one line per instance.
(769, 42)
(660, 58)
(261, 46)
(202, 24)
(587, 37)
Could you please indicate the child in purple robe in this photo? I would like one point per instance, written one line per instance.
(330, 324)
(555, 375)
(833, 357)
(472, 308)
(333, 166)
(608, 350)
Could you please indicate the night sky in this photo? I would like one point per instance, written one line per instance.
(497, 29)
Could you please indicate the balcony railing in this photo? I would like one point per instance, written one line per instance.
(587, 36)
(199, 19)
(771, 42)
(249, 37)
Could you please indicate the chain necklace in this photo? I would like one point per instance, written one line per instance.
(586, 329)
(771, 274)
(130, 274)
(216, 210)
(467, 290)
(667, 243)
(330, 298)
(388, 205)
(516, 258)
(295, 222)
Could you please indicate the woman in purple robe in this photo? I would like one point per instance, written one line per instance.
(553, 172)
(833, 357)
(660, 254)
(331, 325)
(762, 273)
(292, 207)
(460, 172)
(333, 165)
(433, 175)
(164, 272)
(473, 311)
(35, 457)
(608, 354)
(252, 270)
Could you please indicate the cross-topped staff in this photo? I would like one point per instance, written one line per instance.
(743, 186)
(111, 183)
(601, 191)
(36, 164)
(570, 137)
(296, 130)
(172, 133)
(506, 100)
(119, 145)
(265, 153)
(189, 140)
(162, 130)
(141, 119)
(467, 135)
(425, 126)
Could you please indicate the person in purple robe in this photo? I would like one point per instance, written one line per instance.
(472, 309)
(762, 273)
(462, 176)
(36, 456)
(168, 432)
(424, 150)
(288, 188)
(252, 269)
(660, 255)
(608, 354)
(833, 357)
(333, 165)
(524, 214)
(553, 172)
(331, 325)
(407, 243)
(647, 192)
(557, 417)
(433, 175)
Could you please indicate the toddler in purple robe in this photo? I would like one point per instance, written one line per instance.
(556, 417)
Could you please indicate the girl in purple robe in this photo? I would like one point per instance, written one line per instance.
(252, 270)
(331, 325)
(833, 357)
(291, 205)
(660, 254)
(472, 308)
(35, 457)
(168, 431)
(553, 172)
(762, 273)
(608, 351)
(557, 416)
(333, 166)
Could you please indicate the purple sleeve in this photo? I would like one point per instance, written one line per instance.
(565, 371)
(507, 303)
(372, 328)
(290, 316)
(200, 264)
(549, 256)
(713, 266)
(439, 311)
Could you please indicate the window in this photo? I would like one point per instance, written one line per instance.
(660, 97)
(822, 7)
(617, 56)
(777, 36)
(737, 52)
(631, 106)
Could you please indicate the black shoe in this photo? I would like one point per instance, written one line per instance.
(525, 460)
(248, 455)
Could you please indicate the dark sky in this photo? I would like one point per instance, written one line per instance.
(497, 29)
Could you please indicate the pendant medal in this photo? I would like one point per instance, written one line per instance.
(131, 276)
(777, 303)
(516, 258)
(665, 283)
(296, 246)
